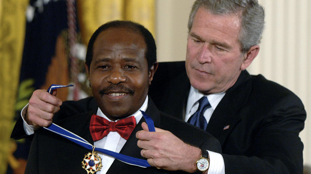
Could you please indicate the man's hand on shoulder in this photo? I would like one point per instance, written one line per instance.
(164, 150)
(42, 107)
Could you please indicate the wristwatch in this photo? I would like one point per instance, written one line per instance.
(203, 162)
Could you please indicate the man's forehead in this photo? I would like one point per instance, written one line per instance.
(120, 38)
(120, 52)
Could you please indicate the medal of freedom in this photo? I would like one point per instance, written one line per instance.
(92, 162)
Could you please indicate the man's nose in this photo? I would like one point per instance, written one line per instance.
(204, 54)
(116, 76)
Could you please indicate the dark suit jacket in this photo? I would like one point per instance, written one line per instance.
(51, 153)
(264, 120)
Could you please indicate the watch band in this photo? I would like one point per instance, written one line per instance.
(203, 162)
(205, 153)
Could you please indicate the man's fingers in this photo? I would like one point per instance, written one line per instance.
(149, 140)
(41, 105)
(146, 153)
(145, 134)
(142, 152)
(43, 122)
(44, 101)
(38, 121)
(49, 108)
(46, 107)
(47, 97)
(39, 117)
(158, 163)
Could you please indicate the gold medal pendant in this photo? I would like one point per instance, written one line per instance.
(92, 162)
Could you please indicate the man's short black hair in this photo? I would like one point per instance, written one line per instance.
(151, 50)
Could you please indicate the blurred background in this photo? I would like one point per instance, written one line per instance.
(43, 42)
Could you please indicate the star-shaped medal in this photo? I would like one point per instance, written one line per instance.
(92, 162)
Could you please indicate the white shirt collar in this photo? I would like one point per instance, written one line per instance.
(137, 114)
(195, 95)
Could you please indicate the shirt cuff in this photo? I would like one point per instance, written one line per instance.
(29, 129)
(217, 164)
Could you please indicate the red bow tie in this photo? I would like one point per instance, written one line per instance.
(100, 127)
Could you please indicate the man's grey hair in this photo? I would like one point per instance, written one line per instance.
(252, 17)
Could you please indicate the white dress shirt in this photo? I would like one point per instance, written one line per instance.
(108, 142)
(217, 165)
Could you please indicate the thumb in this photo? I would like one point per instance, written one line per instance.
(145, 126)
(54, 92)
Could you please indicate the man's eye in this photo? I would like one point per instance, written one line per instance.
(219, 48)
(130, 67)
(103, 67)
(197, 40)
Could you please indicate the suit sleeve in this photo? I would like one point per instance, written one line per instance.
(18, 130)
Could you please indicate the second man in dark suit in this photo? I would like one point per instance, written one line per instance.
(256, 121)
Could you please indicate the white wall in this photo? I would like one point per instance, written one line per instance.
(171, 28)
(285, 55)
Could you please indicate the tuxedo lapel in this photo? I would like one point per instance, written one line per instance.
(80, 125)
(226, 116)
(223, 120)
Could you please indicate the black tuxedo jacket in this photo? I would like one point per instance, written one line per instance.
(51, 153)
(257, 122)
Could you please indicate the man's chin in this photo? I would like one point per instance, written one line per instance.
(202, 87)
(115, 115)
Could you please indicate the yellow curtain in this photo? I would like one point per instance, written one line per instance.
(141, 11)
(93, 13)
(12, 23)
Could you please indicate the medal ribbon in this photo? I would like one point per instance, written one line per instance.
(82, 142)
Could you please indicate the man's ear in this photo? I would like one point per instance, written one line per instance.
(250, 56)
(152, 71)
(87, 69)
(87, 73)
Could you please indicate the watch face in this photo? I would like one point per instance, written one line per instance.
(202, 164)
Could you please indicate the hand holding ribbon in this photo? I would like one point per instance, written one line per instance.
(41, 108)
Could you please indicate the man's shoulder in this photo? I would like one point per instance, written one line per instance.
(266, 92)
(255, 91)
(258, 85)
(268, 87)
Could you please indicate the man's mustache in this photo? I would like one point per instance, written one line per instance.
(116, 88)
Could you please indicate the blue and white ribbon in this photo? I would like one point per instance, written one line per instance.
(82, 142)
(53, 87)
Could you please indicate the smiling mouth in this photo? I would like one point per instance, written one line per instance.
(116, 94)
